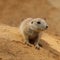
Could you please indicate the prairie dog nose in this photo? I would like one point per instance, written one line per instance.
(46, 26)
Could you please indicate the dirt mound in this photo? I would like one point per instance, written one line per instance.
(12, 47)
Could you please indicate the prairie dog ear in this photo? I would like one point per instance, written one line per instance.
(44, 18)
(29, 18)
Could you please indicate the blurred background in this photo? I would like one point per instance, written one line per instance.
(12, 12)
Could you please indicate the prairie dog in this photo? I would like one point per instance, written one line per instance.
(31, 29)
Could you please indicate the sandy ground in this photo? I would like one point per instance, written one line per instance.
(12, 12)
(12, 47)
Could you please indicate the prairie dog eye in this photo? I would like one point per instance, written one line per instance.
(32, 22)
(38, 22)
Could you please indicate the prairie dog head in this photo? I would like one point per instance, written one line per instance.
(38, 24)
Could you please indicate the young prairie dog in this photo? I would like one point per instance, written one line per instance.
(31, 29)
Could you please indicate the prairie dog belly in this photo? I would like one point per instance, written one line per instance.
(31, 34)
